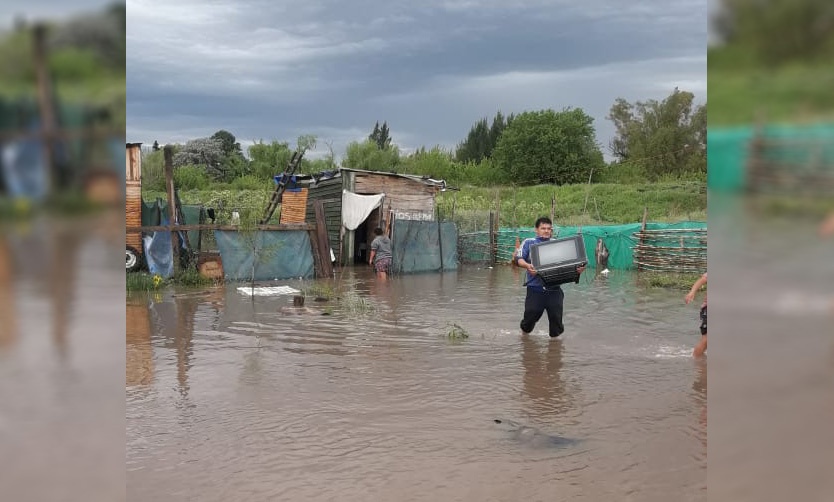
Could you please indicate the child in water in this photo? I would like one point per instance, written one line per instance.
(701, 347)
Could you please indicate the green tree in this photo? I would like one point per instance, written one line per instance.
(268, 159)
(482, 138)
(367, 155)
(204, 152)
(306, 142)
(778, 31)
(228, 143)
(660, 137)
(381, 136)
(549, 147)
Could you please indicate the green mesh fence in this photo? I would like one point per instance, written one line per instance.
(728, 151)
(619, 239)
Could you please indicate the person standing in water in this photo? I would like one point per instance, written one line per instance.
(380, 254)
(540, 298)
(701, 347)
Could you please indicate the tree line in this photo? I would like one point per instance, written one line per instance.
(654, 140)
(777, 32)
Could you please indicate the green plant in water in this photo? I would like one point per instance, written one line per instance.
(142, 281)
(455, 332)
(682, 281)
(191, 277)
(325, 291)
(354, 304)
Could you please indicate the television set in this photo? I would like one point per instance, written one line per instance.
(556, 260)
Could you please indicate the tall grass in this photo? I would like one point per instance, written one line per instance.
(600, 203)
(607, 203)
(742, 91)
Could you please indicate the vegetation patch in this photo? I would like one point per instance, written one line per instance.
(667, 280)
(455, 332)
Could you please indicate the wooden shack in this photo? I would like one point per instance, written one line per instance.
(404, 197)
(133, 205)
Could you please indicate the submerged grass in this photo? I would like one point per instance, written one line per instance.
(354, 304)
(666, 280)
(455, 332)
(144, 281)
(323, 291)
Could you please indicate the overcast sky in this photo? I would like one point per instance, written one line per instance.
(265, 69)
(46, 10)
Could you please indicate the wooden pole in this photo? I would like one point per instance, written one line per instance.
(492, 237)
(45, 103)
(323, 239)
(643, 231)
(497, 225)
(439, 238)
(172, 210)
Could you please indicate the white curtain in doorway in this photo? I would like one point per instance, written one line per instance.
(356, 208)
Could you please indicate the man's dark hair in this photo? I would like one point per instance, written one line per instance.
(543, 219)
(377, 231)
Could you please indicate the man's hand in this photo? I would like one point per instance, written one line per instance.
(581, 269)
(689, 297)
(531, 269)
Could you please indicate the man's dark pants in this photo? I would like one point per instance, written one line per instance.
(536, 303)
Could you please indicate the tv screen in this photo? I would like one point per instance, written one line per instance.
(556, 252)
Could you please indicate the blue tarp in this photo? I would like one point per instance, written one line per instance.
(278, 254)
(158, 253)
(24, 169)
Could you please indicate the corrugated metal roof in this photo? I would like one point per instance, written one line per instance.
(314, 178)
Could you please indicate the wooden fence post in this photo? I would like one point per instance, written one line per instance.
(642, 232)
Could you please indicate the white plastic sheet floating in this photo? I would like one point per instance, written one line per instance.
(268, 290)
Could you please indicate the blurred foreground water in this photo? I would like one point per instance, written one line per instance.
(62, 359)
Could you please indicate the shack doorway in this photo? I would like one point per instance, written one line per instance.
(364, 236)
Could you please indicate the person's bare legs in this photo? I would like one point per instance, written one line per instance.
(701, 348)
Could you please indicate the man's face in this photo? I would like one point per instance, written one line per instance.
(545, 230)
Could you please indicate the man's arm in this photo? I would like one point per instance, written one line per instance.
(524, 257)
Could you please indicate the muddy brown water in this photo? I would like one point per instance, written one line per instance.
(237, 398)
(62, 359)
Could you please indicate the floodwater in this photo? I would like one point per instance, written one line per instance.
(62, 359)
(772, 364)
(231, 397)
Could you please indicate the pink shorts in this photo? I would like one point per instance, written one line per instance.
(382, 264)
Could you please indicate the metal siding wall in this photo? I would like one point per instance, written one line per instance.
(330, 193)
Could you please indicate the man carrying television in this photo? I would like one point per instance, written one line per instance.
(540, 299)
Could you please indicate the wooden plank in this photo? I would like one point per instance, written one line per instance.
(317, 258)
(293, 206)
(133, 215)
(323, 240)
(133, 164)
